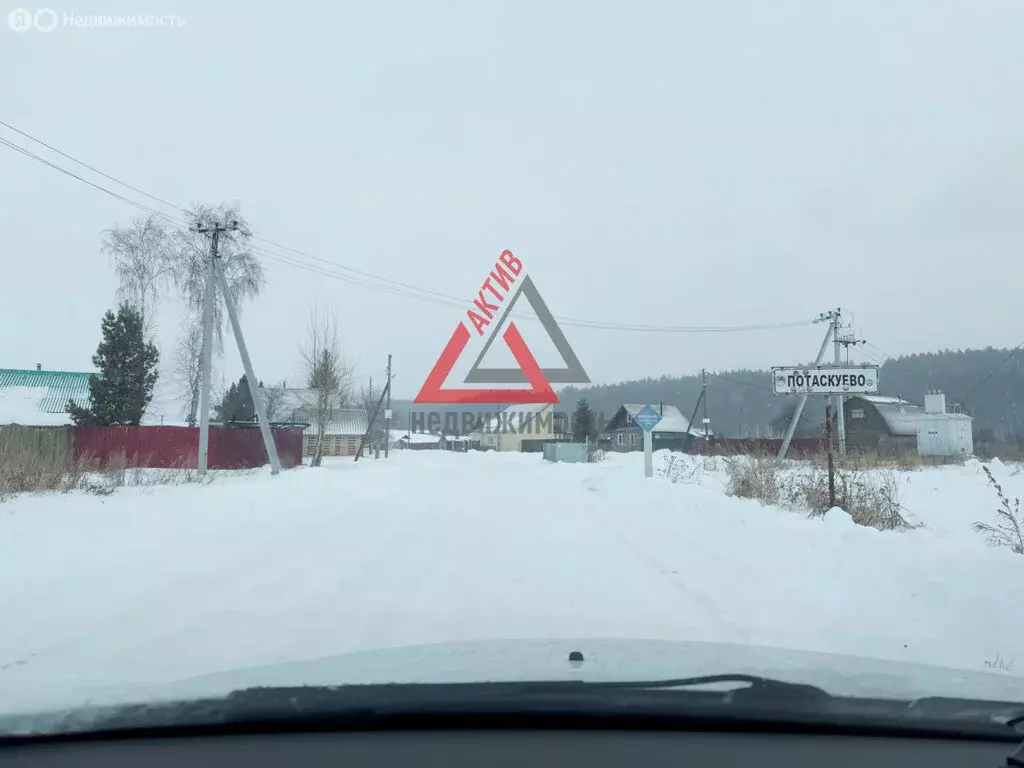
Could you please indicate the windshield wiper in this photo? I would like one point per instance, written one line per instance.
(370, 702)
(761, 686)
(746, 701)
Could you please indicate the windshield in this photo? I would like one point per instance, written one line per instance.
(401, 342)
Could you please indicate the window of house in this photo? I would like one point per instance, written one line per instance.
(632, 439)
(618, 439)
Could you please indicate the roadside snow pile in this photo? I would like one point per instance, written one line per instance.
(20, 405)
(152, 585)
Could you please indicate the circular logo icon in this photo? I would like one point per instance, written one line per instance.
(46, 20)
(20, 20)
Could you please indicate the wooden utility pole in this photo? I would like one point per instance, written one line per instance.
(831, 459)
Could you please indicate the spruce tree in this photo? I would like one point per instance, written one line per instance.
(582, 421)
(225, 412)
(127, 364)
(237, 403)
(246, 409)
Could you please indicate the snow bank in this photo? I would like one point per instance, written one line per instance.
(152, 585)
(20, 405)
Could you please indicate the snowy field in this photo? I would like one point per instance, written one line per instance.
(152, 585)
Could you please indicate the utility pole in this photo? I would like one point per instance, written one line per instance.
(255, 390)
(838, 399)
(831, 459)
(847, 340)
(803, 398)
(387, 412)
(216, 271)
(204, 393)
(700, 399)
(369, 426)
(704, 396)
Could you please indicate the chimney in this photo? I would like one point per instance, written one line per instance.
(661, 409)
(39, 366)
(934, 402)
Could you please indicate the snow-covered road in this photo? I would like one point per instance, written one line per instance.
(155, 585)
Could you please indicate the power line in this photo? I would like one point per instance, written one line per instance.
(578, 322)
(743, 383)
(370, 275)
(993, 371)
(91, 168)
(873, 356)
(46, 162)
(388, 285)
(885, 355)
(352, 280)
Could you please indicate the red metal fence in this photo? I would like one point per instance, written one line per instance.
(178, 447)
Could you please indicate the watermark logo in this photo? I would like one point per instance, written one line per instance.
(22, 20)
(506, 277)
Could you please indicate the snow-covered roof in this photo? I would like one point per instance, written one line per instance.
(345, 421)
(672, 419)
(420, 438)
(40, 398)
(23, 405)
(298, 405)
(903, 417)
(884, 400)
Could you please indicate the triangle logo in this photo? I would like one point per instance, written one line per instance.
(572, 373)
(528, 372)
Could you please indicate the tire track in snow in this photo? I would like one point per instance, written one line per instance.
(610, 525)
(185, 603)
(735, 632)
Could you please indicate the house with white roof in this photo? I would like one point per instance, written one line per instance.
(892, 425)
(343, 427)
(419, 440)
(622, 433)
(519, 427)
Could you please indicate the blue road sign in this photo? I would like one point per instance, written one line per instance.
(647, 417)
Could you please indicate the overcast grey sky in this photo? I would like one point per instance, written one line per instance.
(657, 163)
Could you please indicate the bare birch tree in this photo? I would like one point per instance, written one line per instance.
(188, 360)
(142, 259)
(151, 254)
(273, 400)
(328, 379)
